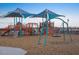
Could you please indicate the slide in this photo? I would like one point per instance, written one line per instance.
(7, 31)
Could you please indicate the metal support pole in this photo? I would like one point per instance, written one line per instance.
(20, 30)
(45, 40)
(14, 21)
(19, 19)
(37, 29)
(68, 30)
(32, 29)
(46, 25)
(63, 32)
(14, 24)
(41, 32)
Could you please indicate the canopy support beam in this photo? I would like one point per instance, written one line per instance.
(67, 28)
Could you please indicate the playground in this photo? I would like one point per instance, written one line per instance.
(42, 38)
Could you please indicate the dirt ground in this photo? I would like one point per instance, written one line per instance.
(55, 45)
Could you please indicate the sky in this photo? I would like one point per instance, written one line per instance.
(70, 10)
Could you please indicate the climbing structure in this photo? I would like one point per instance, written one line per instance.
(18, 14)
(30, 29)
(50, 28)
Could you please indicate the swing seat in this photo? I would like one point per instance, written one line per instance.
(56, 35)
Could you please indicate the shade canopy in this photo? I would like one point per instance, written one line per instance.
(51, 14)
(18, 13)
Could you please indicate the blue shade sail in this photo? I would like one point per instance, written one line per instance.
(18, 13)
(51, 15)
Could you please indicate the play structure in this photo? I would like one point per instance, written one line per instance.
(50, 28)
(8, 31)
(44, 29)
(49, 15)
(18, 14)
(27, 29)
(30, 29)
